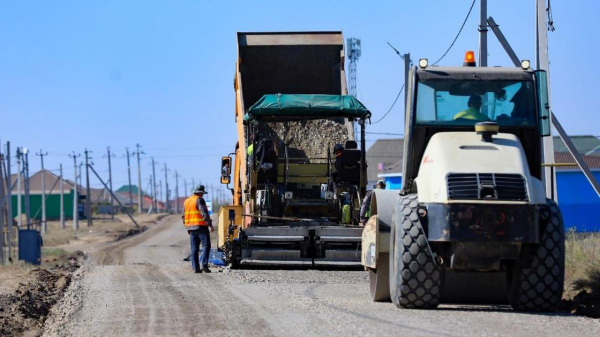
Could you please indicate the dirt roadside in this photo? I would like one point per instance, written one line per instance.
(27, 293)
(24, 311)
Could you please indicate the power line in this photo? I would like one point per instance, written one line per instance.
(457, 35)
(396, 100)
(385, 133)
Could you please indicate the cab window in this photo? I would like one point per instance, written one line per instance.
(462, 102)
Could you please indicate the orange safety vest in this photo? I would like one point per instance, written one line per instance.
(192, 217)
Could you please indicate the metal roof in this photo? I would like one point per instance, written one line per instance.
(585, 144)
(593, 162)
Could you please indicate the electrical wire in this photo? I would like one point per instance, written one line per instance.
(390, 109)
(550, 19)
(457, 35)
(385, 133)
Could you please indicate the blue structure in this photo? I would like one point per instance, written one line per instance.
(30, 246)
(393, 181)
(578, 201)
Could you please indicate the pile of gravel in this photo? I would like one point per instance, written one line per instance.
(306, 139)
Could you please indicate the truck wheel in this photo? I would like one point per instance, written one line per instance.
(537, 284)
(415, 279)
(378, 280)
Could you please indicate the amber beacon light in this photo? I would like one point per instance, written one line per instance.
(469, 59)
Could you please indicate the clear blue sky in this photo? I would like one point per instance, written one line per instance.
(77, 74)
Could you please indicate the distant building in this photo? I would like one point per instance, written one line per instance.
(588, 145)
(382, 154)
(100, 197)
(577, 199)
(52, 182)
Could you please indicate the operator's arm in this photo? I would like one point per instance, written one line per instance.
(183, 215)
(204, 211)
(365, 205)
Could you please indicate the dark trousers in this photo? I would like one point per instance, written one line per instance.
(197, 236)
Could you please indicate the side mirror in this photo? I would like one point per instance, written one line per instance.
(543, 102)
(225, 170)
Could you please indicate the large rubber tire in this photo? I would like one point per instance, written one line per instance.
(379, 288)
(415, 279)
(537, 284)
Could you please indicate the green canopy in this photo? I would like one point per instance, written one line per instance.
(277, 107)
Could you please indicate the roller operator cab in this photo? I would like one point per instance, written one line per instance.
(472, 223)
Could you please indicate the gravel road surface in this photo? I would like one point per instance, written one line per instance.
(149, 291)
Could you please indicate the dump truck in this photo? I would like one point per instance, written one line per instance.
(471, 223)
(293, 202)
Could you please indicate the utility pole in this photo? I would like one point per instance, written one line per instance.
(406, 59)
(129, 177)
(154, 203)
(167, 206)
(62, 199)
(185, 189)
(138, 152)
(160, 189)
(9, 204)
(44, 225)
(541, 62)
(177, 191)
(150, 184)
(26, 171)
(2, 195)
(75, 192)
(19, 206)
(193, 183)
(88, 196)
(80, 175)
(26, 180)
(483, 34)
(110, 184)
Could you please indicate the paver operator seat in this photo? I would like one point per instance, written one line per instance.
(349, 168)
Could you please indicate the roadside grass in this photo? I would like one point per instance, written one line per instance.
(582, 260)
(582, 273)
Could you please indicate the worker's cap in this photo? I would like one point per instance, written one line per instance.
(200, 189)
(338, 147)
(381, 183)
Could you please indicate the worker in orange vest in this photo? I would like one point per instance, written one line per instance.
(196, 219)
